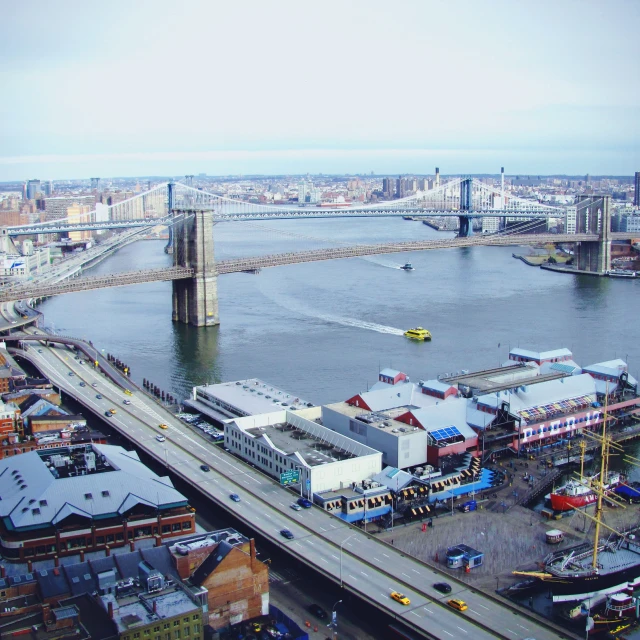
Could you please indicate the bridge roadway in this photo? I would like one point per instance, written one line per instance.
(37, 290)
(367, 567)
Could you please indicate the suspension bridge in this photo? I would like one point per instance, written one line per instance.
(191, 214)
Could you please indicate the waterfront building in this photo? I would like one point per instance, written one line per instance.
(56, 502)
(239, 398)
(284, 441)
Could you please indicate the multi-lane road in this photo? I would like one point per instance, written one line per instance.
(364, 565)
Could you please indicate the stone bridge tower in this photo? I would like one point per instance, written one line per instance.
(593, 216)
(195, 300)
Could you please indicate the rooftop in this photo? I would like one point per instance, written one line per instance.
(383, 420)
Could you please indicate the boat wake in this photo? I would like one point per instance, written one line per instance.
(290, 305)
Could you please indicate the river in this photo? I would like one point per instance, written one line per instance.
(323, 330)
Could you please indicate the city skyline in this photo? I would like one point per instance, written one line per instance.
(134, 90)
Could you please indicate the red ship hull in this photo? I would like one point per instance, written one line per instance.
(560, 502)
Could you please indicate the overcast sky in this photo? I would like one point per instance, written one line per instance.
(139, 87)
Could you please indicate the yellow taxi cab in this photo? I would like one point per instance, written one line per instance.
(400, 597)
(163, 426)
(112, 411)
(460, 605)
(127, 392)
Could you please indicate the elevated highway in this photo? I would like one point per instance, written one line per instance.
(365, 566)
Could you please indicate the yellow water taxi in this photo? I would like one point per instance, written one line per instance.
(418, 334)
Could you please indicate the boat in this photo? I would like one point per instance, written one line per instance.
(407, 266)
(418, 334)
(579, 493)
(601, 566)
(621, 273)
(619, 610)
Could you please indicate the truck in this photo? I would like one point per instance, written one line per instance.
(469, 505)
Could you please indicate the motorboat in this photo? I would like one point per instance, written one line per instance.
(407, 266)
(418, 333)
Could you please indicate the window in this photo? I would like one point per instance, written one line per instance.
(176, 623)
(176, 634)
(186, 525)
(195, 616)
(89, 496)
(156, 629)
(186, 631)
(136, 635)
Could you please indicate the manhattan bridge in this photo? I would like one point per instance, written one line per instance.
(191, 215)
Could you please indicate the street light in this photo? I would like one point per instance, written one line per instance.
(334, 620)
(342, 543)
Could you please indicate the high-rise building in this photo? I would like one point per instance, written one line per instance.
(437, 182)
(95, 184)
(188, 180)
(56, 208)
(387, 187)
(636, 195)
(77, 214)
(302, 192)
(47, 188)
(33, 187)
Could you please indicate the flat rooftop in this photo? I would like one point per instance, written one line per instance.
(383, 420)
(249, 397)
(290, 439)
(502, 378)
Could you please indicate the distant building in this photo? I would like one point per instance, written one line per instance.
(79, 214)
(56, 208)
(33, 187)
(636, 193)
(95, 184)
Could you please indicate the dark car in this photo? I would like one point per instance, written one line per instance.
(285, 533)
(442, 587)
(98, 396)
(304, 503)
(82, 384)
(235, 497)
(204, 467)
(108, 414)
(317, 611)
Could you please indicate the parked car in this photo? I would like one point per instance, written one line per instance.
(317, 611)
(285, 533)
(400, 597)
(442, 587)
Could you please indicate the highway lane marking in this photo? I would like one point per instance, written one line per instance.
(461, 629)
(310, 542)
(377, 559)
(407, 575)
(353, 577)
(336, 557)
(323, 560)
(323, 529)
(472, 611)
(525, 628)
(487, 608)
(364, 574)
(419, 616)
(427, 610)
(281, 504)
(445, 631)
(268, 516)
(415, 571)
(385, 555)
(515, 633)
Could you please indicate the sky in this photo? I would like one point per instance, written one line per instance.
(127, 88)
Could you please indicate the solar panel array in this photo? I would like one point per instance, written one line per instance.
(443, 434)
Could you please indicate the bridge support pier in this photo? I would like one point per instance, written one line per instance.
(466, 227)
(466, 222)
(593, 216)
(195, 300)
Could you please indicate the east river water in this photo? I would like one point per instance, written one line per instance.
(323, 330)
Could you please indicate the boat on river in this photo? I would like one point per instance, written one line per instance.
(418, 334)
(407, 266)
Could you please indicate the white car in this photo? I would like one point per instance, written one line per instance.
(160, 438)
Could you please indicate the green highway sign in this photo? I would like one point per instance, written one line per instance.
(290, 477)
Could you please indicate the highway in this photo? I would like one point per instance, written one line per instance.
(366, 566)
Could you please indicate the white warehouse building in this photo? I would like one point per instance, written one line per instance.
(282, 441)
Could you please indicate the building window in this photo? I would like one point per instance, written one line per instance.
(195, 616)
(176, 634)
(176, 623)
(136, 635)
(186, 525)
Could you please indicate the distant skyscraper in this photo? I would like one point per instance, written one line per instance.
(302, 192)
(636, 195)
(47, 188)
(387, 187)
(33, 187)
(437, 183)
(95, 184)
(188, 180)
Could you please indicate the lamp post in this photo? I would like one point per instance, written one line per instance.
(341, 544)
(334, 620)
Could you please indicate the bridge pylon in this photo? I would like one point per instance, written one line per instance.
(195, 300)
(593, 216)
(466, 222)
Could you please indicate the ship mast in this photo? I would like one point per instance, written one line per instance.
(600, 480)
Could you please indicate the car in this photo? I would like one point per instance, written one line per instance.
(94, 384)
(295, 506)
(400, 597)
(71, 373)
(235, 497)
(304, 503)
(460, 605)
(317, 611)
(285, 533)
(160, 438)
(108, 414)
(98, 396)
(82, 384)
(126, 402)
(163, 426)
(112, 411)
(442, 587)
(39, 350)
(127, 392)
(204, 467)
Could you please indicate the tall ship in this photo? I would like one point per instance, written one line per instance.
(599, 567)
